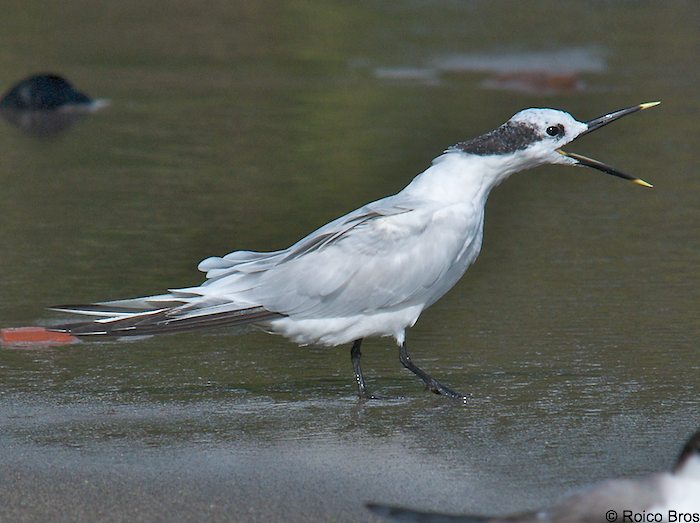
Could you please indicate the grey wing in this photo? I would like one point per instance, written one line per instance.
(250, 262)
(407, 515)
(590, 504)
(230, 296)
(390, 253)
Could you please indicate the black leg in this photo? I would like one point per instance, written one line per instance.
(355, 355)
(430, 382)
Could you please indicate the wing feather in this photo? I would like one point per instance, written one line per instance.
(388, 254)
(393, 253)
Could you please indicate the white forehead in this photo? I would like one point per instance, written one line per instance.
(546, 117)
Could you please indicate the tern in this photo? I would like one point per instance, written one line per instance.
(371, 272)
(664, 496)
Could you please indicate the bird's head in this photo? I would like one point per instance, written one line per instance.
(535, 137)
(688, 463)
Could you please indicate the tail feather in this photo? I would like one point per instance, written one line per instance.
(122, 307)
(167, 314)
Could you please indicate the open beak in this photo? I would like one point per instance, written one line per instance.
(599, 122)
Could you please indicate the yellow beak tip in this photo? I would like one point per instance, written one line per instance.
(648, 105)
(641, 182)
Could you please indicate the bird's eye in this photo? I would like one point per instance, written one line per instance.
(554, 130)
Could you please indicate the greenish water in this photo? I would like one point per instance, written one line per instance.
(241, 125)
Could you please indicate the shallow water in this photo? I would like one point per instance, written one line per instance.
(248, 125)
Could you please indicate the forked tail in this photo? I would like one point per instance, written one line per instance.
(167, 313)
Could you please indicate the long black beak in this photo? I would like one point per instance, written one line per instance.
(602, 121)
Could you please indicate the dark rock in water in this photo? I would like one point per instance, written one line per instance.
(46, 105)
(43, 92)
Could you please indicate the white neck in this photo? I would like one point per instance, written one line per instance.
(460, 177)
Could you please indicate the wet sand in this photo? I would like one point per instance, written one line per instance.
(97, 462)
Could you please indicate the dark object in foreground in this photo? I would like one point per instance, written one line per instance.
(662, 493)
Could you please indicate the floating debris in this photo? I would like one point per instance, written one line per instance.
(536, 82)
(562, 61)
(533, 72)
(34, 336)
(417, 74)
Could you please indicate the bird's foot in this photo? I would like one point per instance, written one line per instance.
(367, 397)
(438, 388)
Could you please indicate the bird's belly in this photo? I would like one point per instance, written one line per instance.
(346, 329)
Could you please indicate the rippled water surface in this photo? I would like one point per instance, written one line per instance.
(246, 125)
